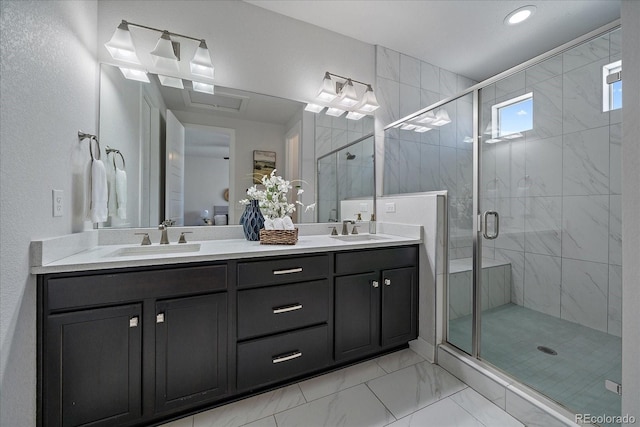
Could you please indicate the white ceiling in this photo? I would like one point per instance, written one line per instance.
(467, 37)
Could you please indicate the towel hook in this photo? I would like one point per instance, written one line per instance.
(82, 136)
(110, 150)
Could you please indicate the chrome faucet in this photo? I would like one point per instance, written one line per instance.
(345, 230)
(164, 239)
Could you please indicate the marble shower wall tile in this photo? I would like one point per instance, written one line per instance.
(547, 108)
(547, 69)
(409, 101)
(448, 170)
(428, 97)
(464, 179)
(510, 85)
(387, 63)
(409, 166)
(544, 166)
(429, 167)
(585, 293)
(429, 77)
(615, 230)
(464, 122)
(388, 96)
(582, 98)
(323, 140)
(410, 71)
(448, 83)
(543, 225)
(391, 161)
(542, 282)
(615, 158)
(510, 167)
(585, 231)
(586, 53)
(511, 234)
(585, 162)
(517, 273)
(614, 313)
(460, 289)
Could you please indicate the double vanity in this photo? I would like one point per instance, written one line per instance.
(132, 335)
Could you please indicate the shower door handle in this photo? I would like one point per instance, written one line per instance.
(485, 228)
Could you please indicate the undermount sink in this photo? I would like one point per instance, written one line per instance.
(359, 237)
(176, 248)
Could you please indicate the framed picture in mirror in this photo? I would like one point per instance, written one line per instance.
(264, 162)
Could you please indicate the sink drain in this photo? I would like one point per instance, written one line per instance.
(547, 350)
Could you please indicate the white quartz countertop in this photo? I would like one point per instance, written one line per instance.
(113, 256)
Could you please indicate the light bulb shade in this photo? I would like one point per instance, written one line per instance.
(314, 108)
(203, 87)
(121, 45)
(442, 118)
(163, 55)
(327, 92)
(355, 115)
(335, 112)
(348, 96)
(422, 129)
(408, 126)
(201, 64)
(171, 81)
(428, 118)
(133, 74)
(369, 103)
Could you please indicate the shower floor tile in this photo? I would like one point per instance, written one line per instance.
(574, 377)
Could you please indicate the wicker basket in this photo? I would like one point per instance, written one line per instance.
(278, 237)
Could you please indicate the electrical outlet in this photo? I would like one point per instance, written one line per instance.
(363, 207)
(390, 207)
(58, 203)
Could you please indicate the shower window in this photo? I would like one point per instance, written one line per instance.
(512, 117)
(612, 86)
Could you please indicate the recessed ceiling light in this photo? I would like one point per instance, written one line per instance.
(519, 15)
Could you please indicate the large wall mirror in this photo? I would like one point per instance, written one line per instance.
(188, 156)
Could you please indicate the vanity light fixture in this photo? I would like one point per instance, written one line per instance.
(314, 108)
(165, 55)
(335, 112)
(121, 45)
(133, 74)
(341, 95)
(171, 81)
(520, 15)
(203, 87)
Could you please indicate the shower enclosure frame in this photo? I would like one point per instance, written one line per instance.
(442, 313)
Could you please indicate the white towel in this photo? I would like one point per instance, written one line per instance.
(278, 224)
(268, 224)
(121, 193)
(288, 223)
(99, 192)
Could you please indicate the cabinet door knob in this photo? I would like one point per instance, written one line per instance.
(160, 318)
(387, 282)
(375, 283)
(133, 322)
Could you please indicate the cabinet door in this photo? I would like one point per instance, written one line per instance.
(399, 299)
(191, 350)
(93, 369)
(357, 305)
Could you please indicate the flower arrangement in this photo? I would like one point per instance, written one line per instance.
(273, 199)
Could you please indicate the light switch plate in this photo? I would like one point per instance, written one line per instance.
(390, 207)
(58, 202)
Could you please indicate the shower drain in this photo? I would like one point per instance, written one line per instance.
(547, 350)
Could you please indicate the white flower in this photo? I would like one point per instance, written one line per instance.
(273, 199)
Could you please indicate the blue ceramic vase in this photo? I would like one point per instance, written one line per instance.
(252, 221)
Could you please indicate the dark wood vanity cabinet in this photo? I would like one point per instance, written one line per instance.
(126, 347)
(375, 303)
(139, 346)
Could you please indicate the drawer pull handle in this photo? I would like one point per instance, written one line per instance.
(375, 283)
(291, 356)
(160, 318)
(133, 322)
(289, 271)
(387, 282)
(287, 308)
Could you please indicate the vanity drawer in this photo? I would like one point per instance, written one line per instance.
(375, 259)
(283, 356)
(280, 308)
(282, 270)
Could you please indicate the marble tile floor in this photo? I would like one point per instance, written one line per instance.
(574, 377)
(397, 389)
